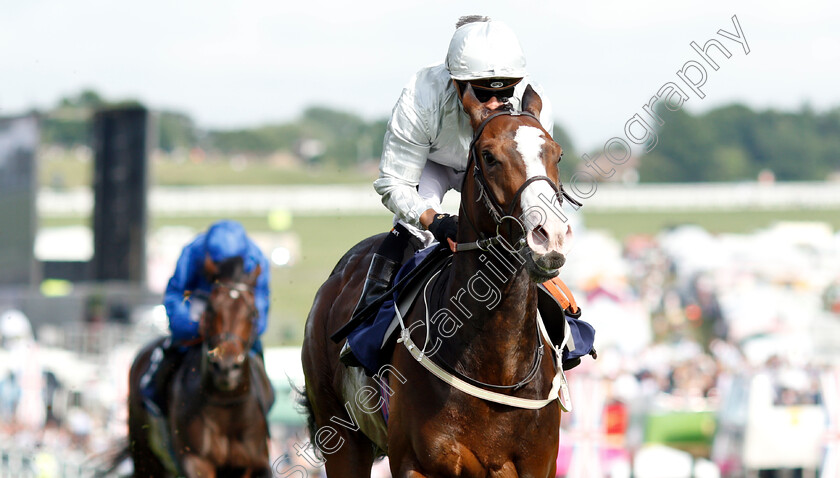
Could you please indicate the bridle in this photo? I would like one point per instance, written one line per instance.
(210, 344)
(235, 290)
(492, 203)
(499, 215)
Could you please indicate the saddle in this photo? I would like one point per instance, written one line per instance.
(372, 342)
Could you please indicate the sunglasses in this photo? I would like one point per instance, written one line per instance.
(487, 88)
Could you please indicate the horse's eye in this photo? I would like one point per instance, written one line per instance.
(560, 158)
(489, 160)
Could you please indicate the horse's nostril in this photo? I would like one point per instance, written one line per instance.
(216, 365)
(540, 234)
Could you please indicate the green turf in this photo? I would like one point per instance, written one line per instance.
(168, 173)
(65, 170)
(324, 239)
(623, 224)
(70, 169)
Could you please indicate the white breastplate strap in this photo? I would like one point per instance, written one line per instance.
(559, 387)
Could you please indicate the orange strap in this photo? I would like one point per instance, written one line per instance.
(561, 292)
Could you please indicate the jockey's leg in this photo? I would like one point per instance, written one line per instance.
(162, 364)
(555, 317)
(383, 267)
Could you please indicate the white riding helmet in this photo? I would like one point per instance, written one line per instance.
(487, 49)
(14, 325)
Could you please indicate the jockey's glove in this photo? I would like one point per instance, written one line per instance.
(444, 226)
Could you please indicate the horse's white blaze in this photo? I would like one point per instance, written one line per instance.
(529, 142)
(539, 202)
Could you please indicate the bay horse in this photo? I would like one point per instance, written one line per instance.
(485, 328)
(215, 417)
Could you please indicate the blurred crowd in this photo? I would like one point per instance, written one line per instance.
(683, 320)
(705, 332)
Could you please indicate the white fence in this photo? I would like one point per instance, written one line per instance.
(362, 199)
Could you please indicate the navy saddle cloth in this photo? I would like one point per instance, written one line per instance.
(370, 339)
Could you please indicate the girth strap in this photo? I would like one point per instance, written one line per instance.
(559, 387)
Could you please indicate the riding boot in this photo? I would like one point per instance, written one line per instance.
(163, 362)
(382, 270)
(380, 274)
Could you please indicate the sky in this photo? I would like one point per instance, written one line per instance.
(245, 63)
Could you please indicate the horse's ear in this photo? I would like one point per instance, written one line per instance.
(210, 268)
(255, 274)
(531, 102)
(474, 108)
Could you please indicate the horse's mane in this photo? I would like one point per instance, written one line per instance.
(231, 269)
(470, 19)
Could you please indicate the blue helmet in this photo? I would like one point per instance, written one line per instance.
(226, 239)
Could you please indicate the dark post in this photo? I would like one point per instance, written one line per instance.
(19, 139)
(121, 144)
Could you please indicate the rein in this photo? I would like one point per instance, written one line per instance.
(559, 389)
(491, 202)
(235, 290)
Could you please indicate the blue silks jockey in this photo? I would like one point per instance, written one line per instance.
(224, 241)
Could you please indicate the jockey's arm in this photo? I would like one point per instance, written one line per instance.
(426, 217)
(177, 308)
(435, 182)
(404, 152)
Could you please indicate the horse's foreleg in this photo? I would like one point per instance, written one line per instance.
(197, 467)
(353, 459)
(258, 473)
(405, 469)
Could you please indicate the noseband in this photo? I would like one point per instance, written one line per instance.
(485, 193)
(235, 290)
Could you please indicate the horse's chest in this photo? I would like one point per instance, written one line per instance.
(514, 444)
(224, 439)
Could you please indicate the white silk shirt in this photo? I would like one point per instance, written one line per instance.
(428, 123)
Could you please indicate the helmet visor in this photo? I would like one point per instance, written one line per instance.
(487, 88)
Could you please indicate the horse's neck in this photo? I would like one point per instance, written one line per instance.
(493, 297)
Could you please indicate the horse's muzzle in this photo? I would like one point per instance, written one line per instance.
(548, 244)
(543, 267)
(226, 372)
(551, 236)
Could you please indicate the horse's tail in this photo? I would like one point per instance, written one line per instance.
(112, 458)
(305, 407)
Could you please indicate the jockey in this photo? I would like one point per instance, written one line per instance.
(425, 151)
(224, 241)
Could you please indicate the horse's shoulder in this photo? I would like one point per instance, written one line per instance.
(141, 359)
(363, 248)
